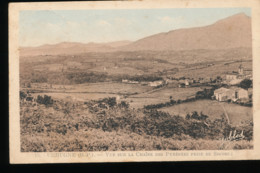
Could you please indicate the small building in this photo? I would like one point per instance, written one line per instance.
(187, 82)
(231, 76)
(240, 74)
(235, 81)
(156, 83)
(239, 93)
(221, 94)
(181, 85)
(133, 82)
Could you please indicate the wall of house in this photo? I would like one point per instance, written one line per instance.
(243, 94)
(231, 77)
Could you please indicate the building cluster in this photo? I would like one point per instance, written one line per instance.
(233, 92)
(235, 78)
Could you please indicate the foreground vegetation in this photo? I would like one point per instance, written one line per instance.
(106, 124)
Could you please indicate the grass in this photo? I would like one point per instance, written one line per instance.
(161, 96)
(92, 91)
(98, 140)
(237, 114)
(75, 126)
(219, 69)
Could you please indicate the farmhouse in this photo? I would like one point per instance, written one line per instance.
(221, 94)
(233, 93)
(187, 82)
(133, 82)
(129, 81)
(239, 93)
(156, 83)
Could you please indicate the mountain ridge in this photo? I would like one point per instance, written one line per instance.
(231, 32)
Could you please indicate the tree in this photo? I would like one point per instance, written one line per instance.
(22, 95)
(46, 100)
(187, 117)
(246, 83)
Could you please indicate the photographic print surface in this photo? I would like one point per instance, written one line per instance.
(146, 79)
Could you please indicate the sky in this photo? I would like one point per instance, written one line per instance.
(105, 25)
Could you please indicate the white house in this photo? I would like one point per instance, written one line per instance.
(156, 83)
(233, 93)
(221, 94)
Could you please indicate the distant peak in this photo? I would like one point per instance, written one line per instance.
(239, 15)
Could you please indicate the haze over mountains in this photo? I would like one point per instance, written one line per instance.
(231, 32)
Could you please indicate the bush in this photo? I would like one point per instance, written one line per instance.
(246, 83)
(22, 95)
(45, 100)
(123, 104)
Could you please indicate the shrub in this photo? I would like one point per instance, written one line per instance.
(45, 100)
(22, 95)
(123, 104)
(246, 83)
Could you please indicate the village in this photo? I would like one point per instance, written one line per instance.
(227, 88)
(235, 87)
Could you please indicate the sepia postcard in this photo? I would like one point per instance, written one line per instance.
(134, 81)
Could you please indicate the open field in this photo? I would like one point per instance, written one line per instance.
(218, 69)
(237, 114)
(161, 95)
(136, 94)
(89, 91)
(99, 87)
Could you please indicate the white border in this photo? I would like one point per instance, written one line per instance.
(68, 157)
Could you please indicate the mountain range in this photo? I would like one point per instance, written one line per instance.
(231, 32)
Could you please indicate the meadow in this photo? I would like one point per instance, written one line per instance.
(161, 96)
(104, 124)
(214, 109)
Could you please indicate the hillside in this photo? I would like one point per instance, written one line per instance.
(228, 33)
(70, 48)
(231, 32)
